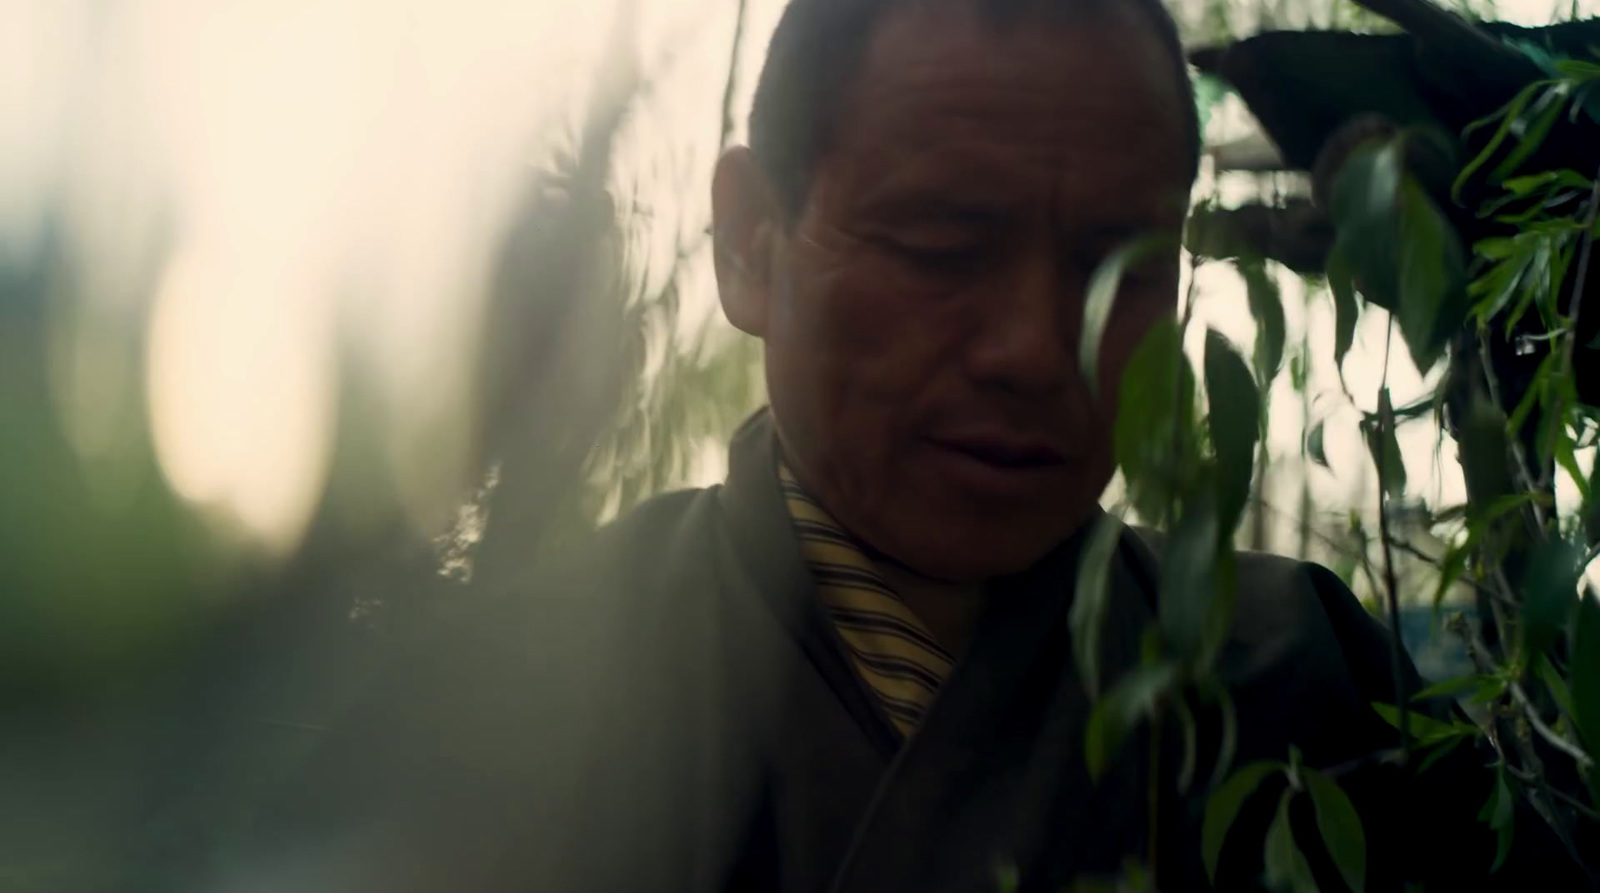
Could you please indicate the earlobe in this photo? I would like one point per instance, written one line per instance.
(743, 232)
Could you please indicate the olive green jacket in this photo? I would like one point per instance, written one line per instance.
(672, 711)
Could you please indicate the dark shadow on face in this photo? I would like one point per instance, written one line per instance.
(922, 315)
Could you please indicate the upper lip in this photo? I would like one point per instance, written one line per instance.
(1003, 449)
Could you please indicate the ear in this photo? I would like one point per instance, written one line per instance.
(746, 226)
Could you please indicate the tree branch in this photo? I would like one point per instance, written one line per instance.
(1544, 731)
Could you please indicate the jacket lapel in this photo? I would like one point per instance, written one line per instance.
(996, 776)
(768, 555)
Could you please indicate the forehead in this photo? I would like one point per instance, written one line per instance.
(1087, 97)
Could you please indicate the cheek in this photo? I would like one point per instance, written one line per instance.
(1123, 336)
(874, 331)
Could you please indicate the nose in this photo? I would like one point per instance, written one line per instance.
(1025, 341)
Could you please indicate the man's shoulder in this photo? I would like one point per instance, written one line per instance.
(652, 543)
(1297, 623)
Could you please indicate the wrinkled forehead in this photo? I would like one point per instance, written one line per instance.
(1087, 101)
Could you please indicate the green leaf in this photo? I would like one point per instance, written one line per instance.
(1584, 673)
(1101, 298)
(1191, 745)
(1485, 463)
(1286, 865)
(1365, 213)
(1449, 688)
(1266, 305)
(1499, 813)
(1548, 109)
(1425, 730)
(1315, 447)
(1385, 448)
(1188, 583)
(1450, 570)
(1223, 806)
(1570, 179)
(1432, 303)
(1345, 310)
(1550, 591)
(1090, 598)
(1007, 879)
(1438, 753)
(1340, 826)
(1235, 426)
(1133, 697)
(1507, 116)
(1155, 441)
(1557, 686)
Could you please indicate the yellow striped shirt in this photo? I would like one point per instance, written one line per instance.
(890, 648)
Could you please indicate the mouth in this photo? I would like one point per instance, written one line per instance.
(1003, 453)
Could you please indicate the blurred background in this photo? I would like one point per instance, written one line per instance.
(322, 318)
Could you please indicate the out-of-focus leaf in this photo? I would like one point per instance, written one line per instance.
(1567, 458)
(1155, 440)
(1483, 451)
(1432, 302)
(1133, 698)
(1230, 735)
(1550, 590)
(1438, 753)
(1223, 807)
(1266, 305)
(1188, 584)
(1450, 570)
(1090, 597)
(1235, 426)
(1340, 827)
(1425, 730)
(1365, 211)
(1191, 745)
(1102, 297)
(1007, 879)
(1315, 447)
(1286, 865)
(1449, 688)
(1345, 310)
(1385, 448)
(1584, 673)
(1499, 813)
(1559, 690)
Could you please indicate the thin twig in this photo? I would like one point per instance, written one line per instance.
(1515, 440)
(1385, 430)
(732, 86)
(1545, 732)
(1573, 803)
(1575, 303)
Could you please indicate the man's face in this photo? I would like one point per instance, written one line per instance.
(923, 316)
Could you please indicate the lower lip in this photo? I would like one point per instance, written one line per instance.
(971, 472)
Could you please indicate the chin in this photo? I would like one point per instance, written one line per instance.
(978, 551)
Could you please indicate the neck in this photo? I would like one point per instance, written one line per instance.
(949, 610)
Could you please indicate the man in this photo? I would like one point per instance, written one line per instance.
(849, 667)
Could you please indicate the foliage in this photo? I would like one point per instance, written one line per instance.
(1534, 696)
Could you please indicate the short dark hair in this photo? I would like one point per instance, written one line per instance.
(817, 48)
